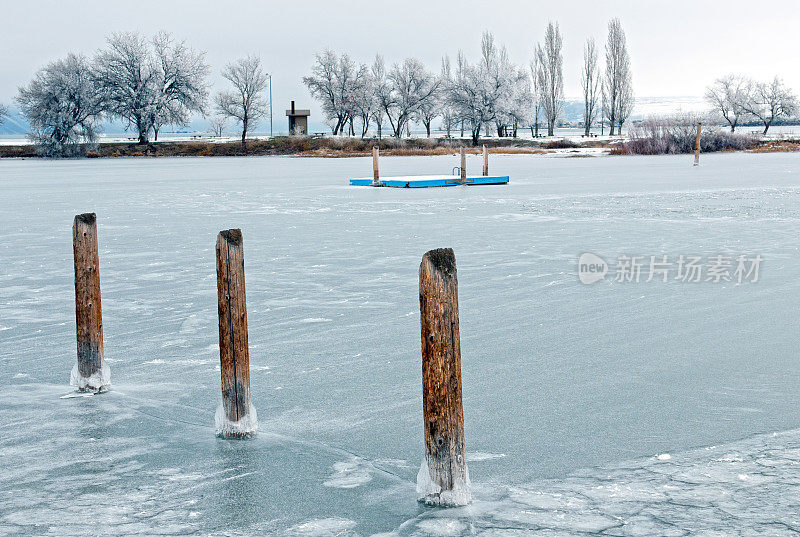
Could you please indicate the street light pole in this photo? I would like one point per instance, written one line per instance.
(270, 105)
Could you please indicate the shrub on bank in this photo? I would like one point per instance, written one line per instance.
(678, 134)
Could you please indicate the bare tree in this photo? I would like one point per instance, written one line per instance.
(217, 125)
(150, 84)
(62, 106)
(551, 76)
(770, 102)
(247, 103)
(617, 83)
(590, 83)
(727, 96)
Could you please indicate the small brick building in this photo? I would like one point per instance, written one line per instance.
(298, 120)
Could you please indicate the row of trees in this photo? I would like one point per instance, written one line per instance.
(738, 99)
(145, 83)
(491, 92)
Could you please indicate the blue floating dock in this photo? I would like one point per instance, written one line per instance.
(424, 181)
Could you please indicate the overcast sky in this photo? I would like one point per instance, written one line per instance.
(677, 47)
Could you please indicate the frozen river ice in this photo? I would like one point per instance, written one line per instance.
(570, 391)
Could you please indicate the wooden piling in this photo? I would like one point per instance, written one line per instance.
(485, 162)
(463, 165)
(441, 382)
(90, 374)
(697, 146)
(376, 180)
(234, 356)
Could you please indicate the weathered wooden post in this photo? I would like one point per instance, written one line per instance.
(235, 417)
(376, 180)
(463, 165)
(443, 478)
(697, 146)
(91, 372)
(485, 162)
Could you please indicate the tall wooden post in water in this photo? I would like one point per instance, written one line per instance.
(443, 479)
(91, 373)
(463, 165)
(485, 162)
(376, 180)
(234, 358)
(697, 146)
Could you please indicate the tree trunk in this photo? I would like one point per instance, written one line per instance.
(428, 128)
(244, 132)
(476, 134)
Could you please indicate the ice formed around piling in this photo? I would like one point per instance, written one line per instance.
(245, 426)
(99, 381)
(432, 494)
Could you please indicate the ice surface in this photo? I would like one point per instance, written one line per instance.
(350, 474)
(98, 381)
(431, 492)
(245, 426)
(580, 387)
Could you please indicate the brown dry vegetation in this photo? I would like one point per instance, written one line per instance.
(777, 146)
(310, 147)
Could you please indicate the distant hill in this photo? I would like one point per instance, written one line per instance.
(14, 123)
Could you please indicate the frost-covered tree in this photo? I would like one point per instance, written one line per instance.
(551, 76)
(449, 116)
(537, 103)
(381, 93)
(617, 83)
(412, 86)
(625, 104)
(590, 83)
(179, 82)
(3, 113)
(471, 97)
(517, 106)
(501, 78)
(769, 102)
(363, 96)
(62, 106)
(247, 102)
(333, 82)
(150, 83)
(727, 97)
(430, 108)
